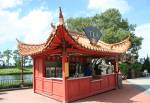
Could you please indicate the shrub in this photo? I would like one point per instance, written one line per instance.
(124, 69)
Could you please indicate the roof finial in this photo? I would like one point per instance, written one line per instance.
(18, 41)
(60, 13)
(61, 18)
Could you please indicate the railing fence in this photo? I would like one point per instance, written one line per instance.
(4, 84)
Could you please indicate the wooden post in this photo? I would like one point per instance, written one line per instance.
(115, 64)
(33, 76)
(64, 60)
(116, 70)
(22, 80)
(65, 95)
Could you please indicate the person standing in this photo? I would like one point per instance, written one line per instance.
(87, 70)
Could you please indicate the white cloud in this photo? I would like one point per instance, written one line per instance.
(103, 5)
(9, 3)
(32, 28)
(144, 31)
(8, 25)
(36, 26)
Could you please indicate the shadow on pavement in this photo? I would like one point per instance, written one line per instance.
(2, 93)
(128, 94)
(142, 87)
(142, 84)
(1, 98)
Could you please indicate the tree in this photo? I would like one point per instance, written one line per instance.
(1, 56)
(137, 66)
(17, 58)
(146, 64)
(25, 60)
(123, 68)
(113, 26)
(1, 60)
(77, 24)
(7, 53)
(30, 61)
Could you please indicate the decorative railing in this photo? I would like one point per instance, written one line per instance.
(5, 84)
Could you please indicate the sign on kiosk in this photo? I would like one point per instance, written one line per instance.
(66, 69)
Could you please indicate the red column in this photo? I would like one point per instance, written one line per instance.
(33, 76)
(116, 70)
(115, 63)
(65, 93)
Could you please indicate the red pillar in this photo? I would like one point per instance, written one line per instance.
(116, 69)
(115, 63)
(65, 93)
(33, 76)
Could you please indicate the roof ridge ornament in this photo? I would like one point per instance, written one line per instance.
(53, 28)
(18, 41)
(61, 18)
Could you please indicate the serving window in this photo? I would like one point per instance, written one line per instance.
(75, 69)
(102, 67)
(53, 68)
(98, 66)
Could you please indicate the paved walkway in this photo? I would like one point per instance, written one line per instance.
(129, 94)
(142, 84)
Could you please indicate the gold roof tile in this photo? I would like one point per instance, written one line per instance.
(80, 40)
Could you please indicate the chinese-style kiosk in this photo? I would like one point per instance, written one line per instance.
(63, 65)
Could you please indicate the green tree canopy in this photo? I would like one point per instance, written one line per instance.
(113, 26)
(8, 54)
(146, 64)
(123, 67)
(1, 60)
(1, 55)
(17, 58)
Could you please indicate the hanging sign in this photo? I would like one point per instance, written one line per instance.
(93, 34)
(66, 69)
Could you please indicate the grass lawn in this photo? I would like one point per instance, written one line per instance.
(12, 71)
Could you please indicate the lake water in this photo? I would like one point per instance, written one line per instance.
(16, 77)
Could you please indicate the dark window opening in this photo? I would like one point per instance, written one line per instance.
(75, 69)
(53, 69)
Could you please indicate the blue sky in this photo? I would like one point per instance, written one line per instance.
(29, 20)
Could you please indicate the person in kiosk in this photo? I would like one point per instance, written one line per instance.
(87, 70)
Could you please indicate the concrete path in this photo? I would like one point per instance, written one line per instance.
(141, 83)
(129, 94)
(24, 96)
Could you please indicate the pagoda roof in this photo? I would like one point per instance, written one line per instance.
(77, 40)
